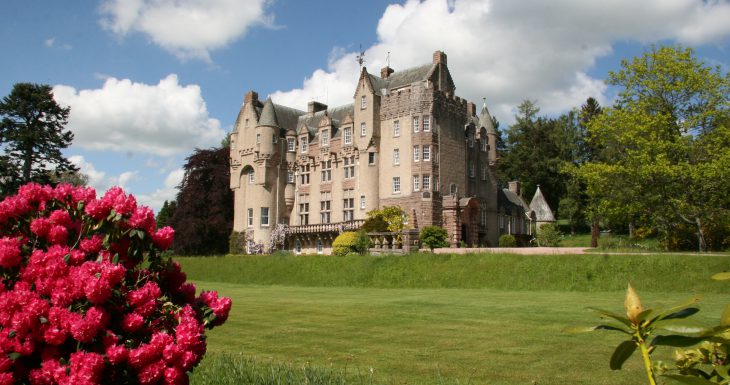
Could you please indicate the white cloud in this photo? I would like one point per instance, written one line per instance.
(49, 42)
(187, 28)
(508, 51)
(99, 180)
(124, 116)
(156, 198)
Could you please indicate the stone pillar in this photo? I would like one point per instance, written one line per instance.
(452, 219)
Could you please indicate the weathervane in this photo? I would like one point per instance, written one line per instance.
(387, 59)
(360, 57)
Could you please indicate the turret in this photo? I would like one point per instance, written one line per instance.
(267, 131)
(485, 120)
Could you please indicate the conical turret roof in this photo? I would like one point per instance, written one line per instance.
(541, 208)
(268, 115)
(485, 120)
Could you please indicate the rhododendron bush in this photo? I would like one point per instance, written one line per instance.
(86, 297)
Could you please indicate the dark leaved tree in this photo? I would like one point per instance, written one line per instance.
(31, 137)
(203, 218)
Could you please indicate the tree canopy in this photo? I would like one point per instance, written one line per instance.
(664, 148)
(203, 216)
(32, 135)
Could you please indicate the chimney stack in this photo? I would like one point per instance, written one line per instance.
(439, 57)
(385, 72)
(251, 97)
(471, 109)
(515, 187)
(314, 107)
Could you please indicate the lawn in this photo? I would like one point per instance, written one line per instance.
(432, 336)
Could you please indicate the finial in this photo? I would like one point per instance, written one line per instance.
(360, 58)
(387, 59)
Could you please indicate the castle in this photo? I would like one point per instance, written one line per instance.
(407, 140)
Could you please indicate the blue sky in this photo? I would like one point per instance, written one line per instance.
(150, 80)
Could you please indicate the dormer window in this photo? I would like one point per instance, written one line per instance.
(304, 144)
(324, 138)
(290, 144)
(348, 135)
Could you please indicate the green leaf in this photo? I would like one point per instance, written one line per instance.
(588, 329)
(683, 327)
(613, 315)
(13, 356)
(684, 313)
(676, 341)
(725, 319)
(689, 380)
(724, 276)
(676, 308)
(622, 353)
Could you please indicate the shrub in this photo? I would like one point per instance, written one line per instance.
(344, 243)
(86, 297)
(362, 242)
(433, 237)
(507, 240)
(237, 242)
(549, 235)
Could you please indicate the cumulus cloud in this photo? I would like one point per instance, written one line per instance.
(508, 51)
(99, 180)
(125, 116)
(187, 28)
(157, 198)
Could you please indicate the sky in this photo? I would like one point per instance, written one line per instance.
(149, 81)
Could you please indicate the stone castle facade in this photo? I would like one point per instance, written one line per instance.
(407, 140)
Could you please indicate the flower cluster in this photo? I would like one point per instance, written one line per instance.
(86, 298)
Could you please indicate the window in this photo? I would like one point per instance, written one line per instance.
(264, 216)
(274, 138)
(426, 123)
(304, 174)
(326, 172)
(320, 246)
(249, 218)
(349, 167)
(483, 214)
(290, 176)
(291, 144)
(426, 153)
(396, 185)
(304, 144)
(251, 176)
(470, 139)
(245, 123)
(362, 201)
(396, 128)
(348, 135)
(484, 172)
(483, 144)
(416, 128)
(472, 171)
(371, 158)
(304, 209)
(363, 129)
(396, 156)
(348, 204)
(324, 138)
(325, 207)
(416, 153)
(426, 182)
(416, 183)
(258, 138)
(363, 102)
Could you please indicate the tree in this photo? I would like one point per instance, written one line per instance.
(394, 218)
(166, 213)
(537, 149)
(31, 136)
(665, 145)
(434, 237)
(203, 218)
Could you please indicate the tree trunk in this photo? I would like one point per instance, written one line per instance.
(27, 163)
(595, 232)
(700, 236)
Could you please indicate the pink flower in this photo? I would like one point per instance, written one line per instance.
(9, 252)
(175, 376)
(92, 245)
(132, 322)
(40, 226)
(163, 237)
(61, 218)
(116, 354)
(151, 373)
(57, 235)
(143, 218)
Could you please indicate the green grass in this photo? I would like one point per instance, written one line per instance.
(585, 273)
(423, 336)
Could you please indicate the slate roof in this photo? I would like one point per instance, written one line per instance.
(508, 200)
(268, 115)
(402, 78)
(485, 120)
(541, 208)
